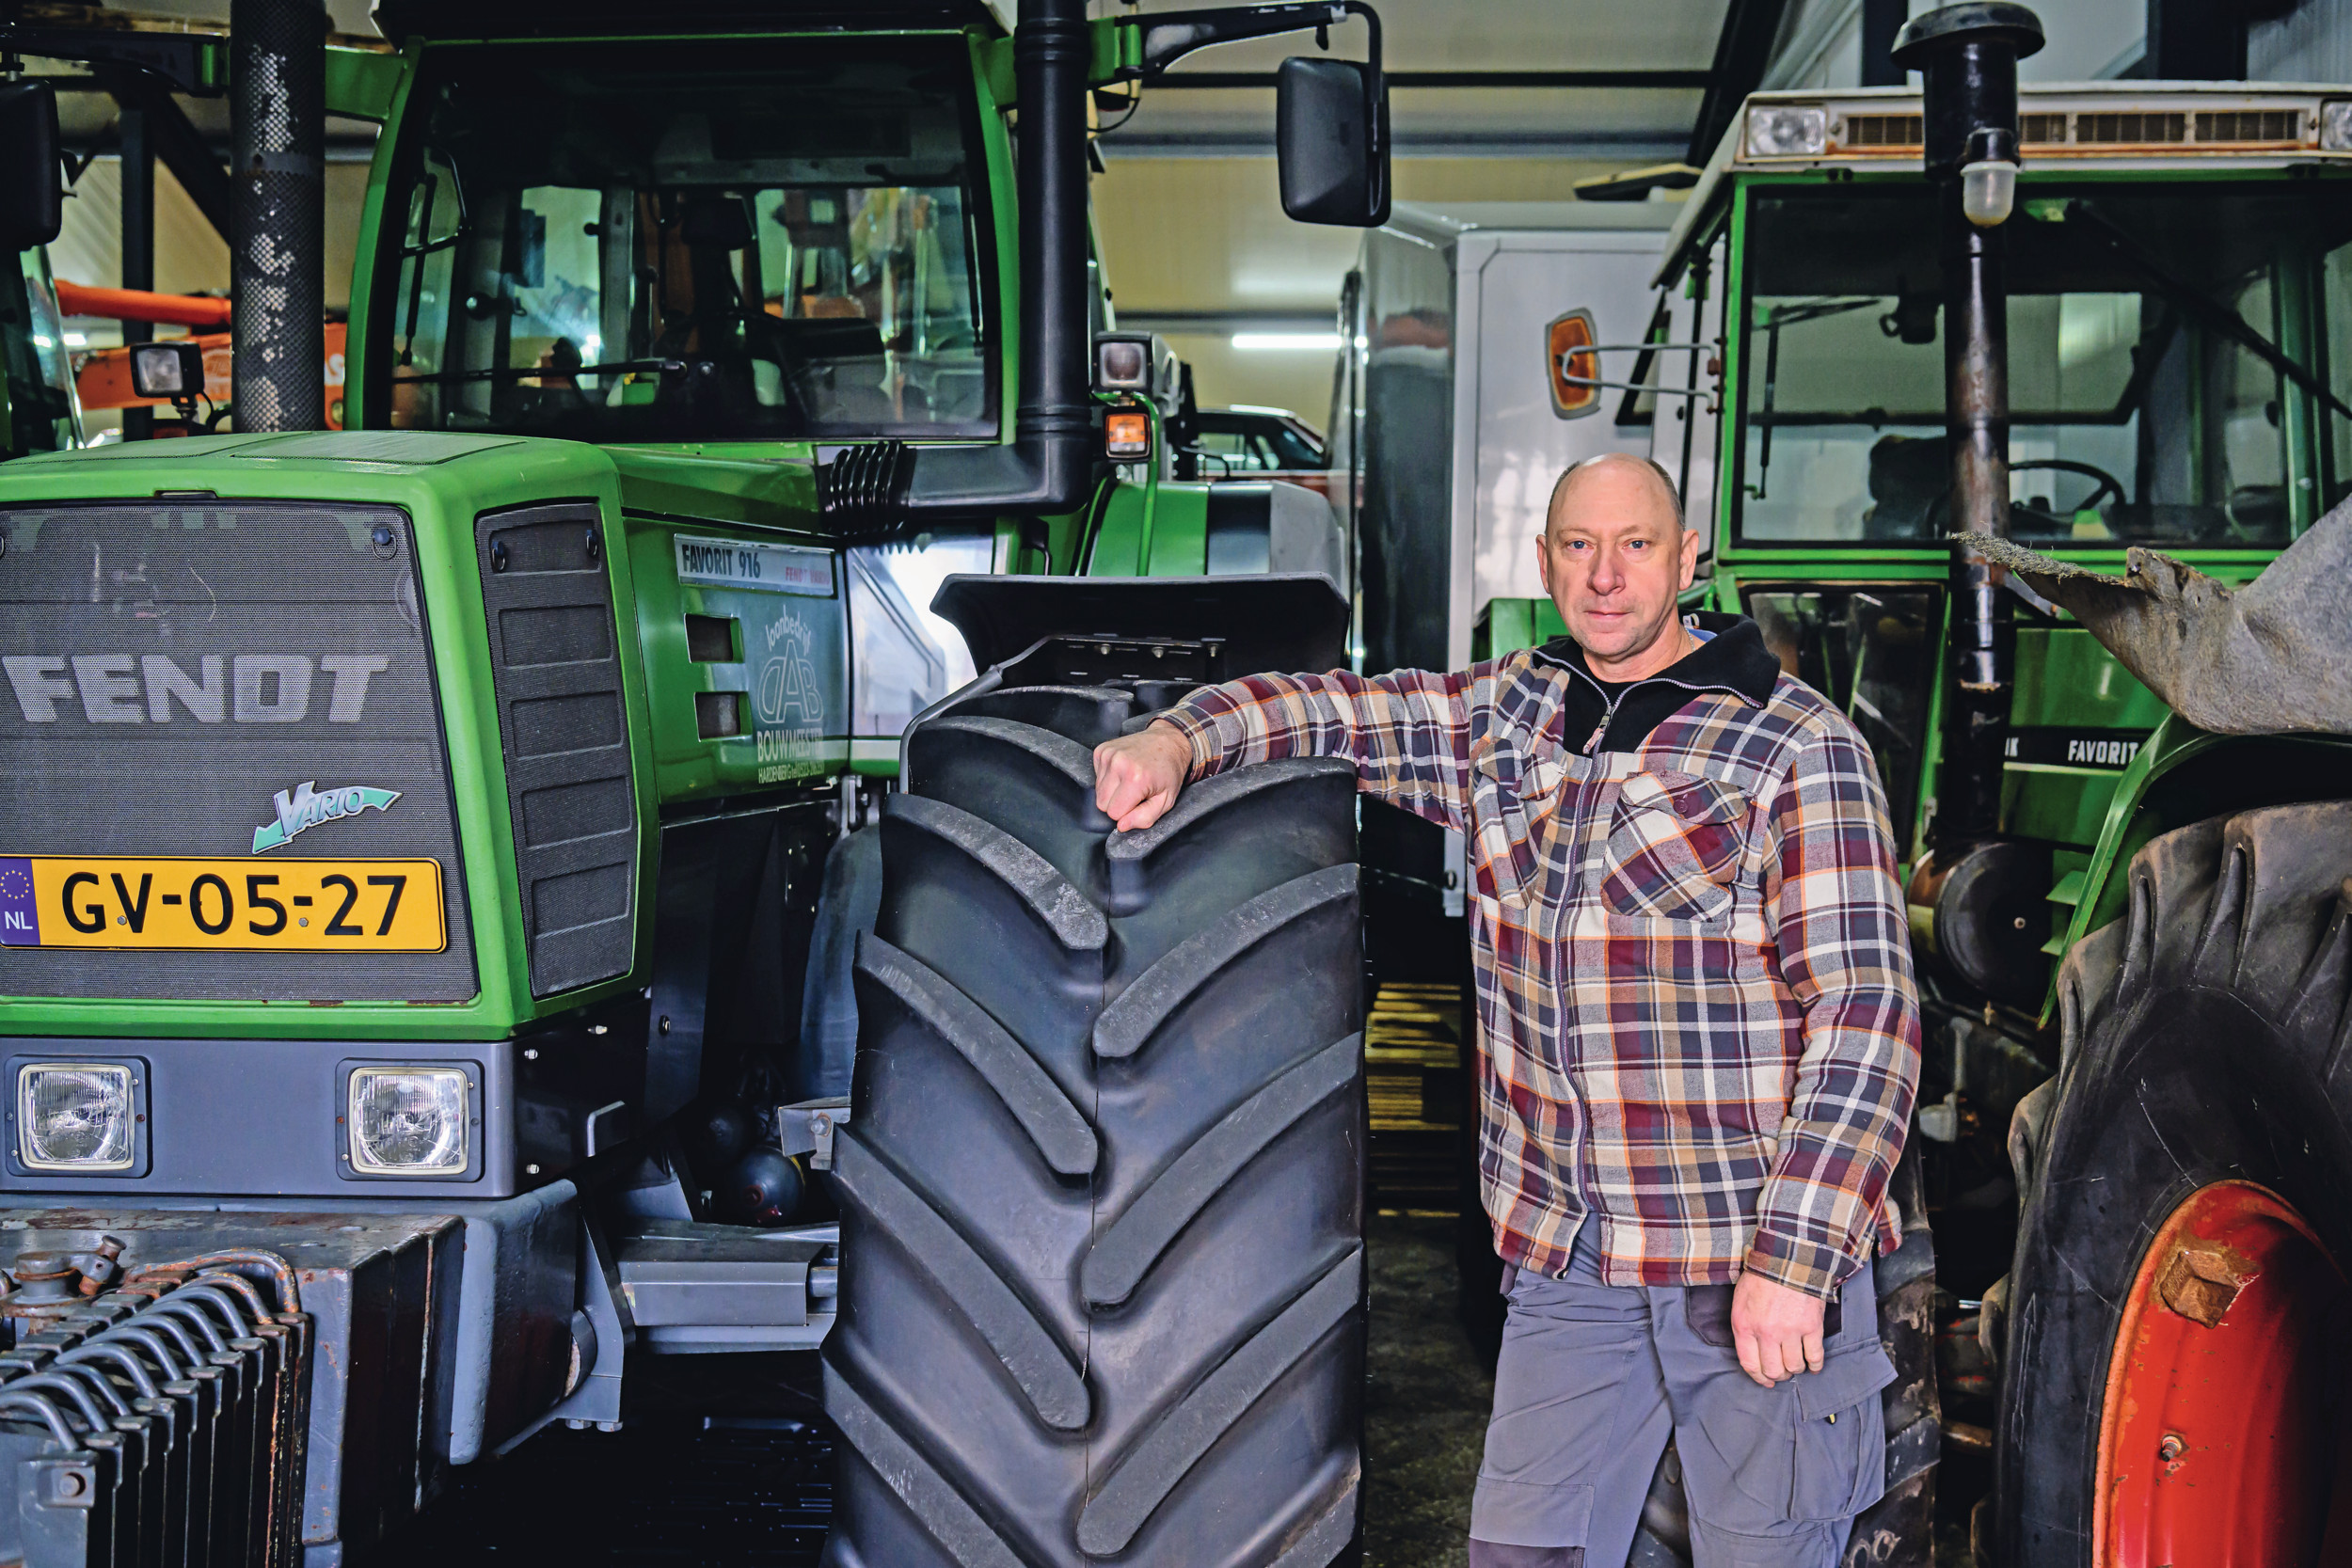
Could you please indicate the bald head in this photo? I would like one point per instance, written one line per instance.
(1615, 556)
(1618, 482)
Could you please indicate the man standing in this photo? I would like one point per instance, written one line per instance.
(1699, 1038)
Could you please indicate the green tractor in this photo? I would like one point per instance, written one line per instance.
(451, 862)
(2106, 341)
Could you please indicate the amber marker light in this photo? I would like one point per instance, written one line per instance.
(1127, 434)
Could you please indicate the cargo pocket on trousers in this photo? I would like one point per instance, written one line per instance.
(1708, 1309)
(1526, 1514)
(1812, 1449)
(1838, 1467)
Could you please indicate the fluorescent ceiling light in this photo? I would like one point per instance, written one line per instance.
(1325, 342)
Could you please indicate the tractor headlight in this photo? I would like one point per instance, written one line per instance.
(2335, 125)
(1776, 132)
(408, 1120)
(75, 1117)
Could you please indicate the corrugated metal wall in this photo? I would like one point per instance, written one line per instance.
(2089, 40)
(2313, 45)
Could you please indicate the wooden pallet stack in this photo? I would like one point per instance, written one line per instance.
(1413, 1071)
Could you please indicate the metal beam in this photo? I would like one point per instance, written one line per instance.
(1453, 79)
(1303, 318)
(2195, 41)
(139, 244)
(176, 141)
(1881, 20)
(1636, 145)
(1743, 50)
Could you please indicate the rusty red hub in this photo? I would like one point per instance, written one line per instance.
(2217, 1441)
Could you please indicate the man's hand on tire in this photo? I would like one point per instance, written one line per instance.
(1776, 1330)
(1137, 777)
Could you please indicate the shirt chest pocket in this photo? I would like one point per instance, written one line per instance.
(1674, 848)
(1515, 798)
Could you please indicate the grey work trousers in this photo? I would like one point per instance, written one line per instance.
(1592, 1379)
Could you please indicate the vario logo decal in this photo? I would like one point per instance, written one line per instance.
(307, 806)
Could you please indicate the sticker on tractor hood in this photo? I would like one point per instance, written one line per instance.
(2066, 747)
(306, 807)
(770, 568)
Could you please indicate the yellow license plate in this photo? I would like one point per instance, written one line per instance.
(156, 904)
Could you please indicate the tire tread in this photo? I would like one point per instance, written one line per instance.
(1102, 1190)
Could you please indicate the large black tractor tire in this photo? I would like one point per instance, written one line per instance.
(2203, 1044)
(1103, 1280)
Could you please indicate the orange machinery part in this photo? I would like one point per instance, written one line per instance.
(105, 378)
(138, 305)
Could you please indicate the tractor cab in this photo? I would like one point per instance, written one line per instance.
(35, 377)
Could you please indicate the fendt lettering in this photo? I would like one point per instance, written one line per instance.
(250, 689)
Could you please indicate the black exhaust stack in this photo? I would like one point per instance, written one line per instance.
(1969, 54)
(278, 245)
(1049, 465)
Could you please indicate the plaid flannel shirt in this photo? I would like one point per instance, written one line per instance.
(1698, 1025)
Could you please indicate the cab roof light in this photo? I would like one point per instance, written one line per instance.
(2068, 123)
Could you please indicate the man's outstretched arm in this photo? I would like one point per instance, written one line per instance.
(1407, 733)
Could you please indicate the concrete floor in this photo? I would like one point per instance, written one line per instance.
(1425, 1402)
(755, 1491)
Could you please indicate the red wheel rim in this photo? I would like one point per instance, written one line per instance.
(2217, 1445)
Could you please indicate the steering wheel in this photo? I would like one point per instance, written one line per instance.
(2108, 484)
(1940, 510)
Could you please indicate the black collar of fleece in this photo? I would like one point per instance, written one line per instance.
(1733, 660)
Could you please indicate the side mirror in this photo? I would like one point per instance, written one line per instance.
(32, 191)
(1331, 140)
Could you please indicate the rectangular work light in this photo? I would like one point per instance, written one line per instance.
(408, 1120)
(1122, 362)
(75, 1117)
